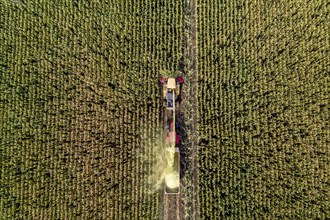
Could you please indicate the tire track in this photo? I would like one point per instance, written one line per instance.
(192, 51)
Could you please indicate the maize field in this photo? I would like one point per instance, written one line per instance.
(80, 108)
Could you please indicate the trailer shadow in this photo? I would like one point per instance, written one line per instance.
(182, 146)
(184, 143)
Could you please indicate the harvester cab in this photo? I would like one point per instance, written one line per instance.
(171, 90)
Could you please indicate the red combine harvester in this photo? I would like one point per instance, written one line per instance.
(171, 91)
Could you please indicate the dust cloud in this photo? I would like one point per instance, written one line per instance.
(160, 158)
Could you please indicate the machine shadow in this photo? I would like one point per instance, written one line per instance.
(184, 143)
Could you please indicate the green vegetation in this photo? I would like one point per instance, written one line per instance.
(79, 87)
(263, 109)
(80, 101)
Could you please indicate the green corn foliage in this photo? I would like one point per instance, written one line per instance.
(78, 91)
(263, 116)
